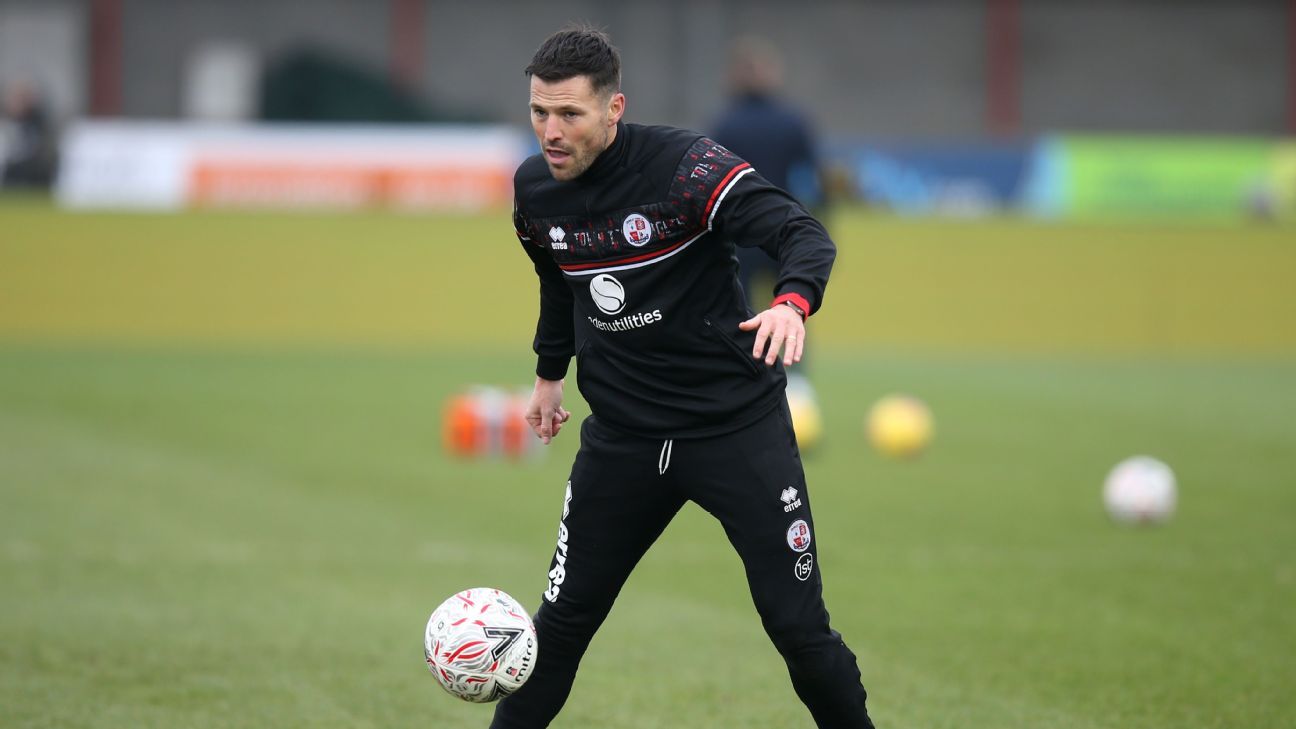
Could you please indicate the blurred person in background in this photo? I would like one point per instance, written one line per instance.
(31, 151)
(631, 231)
(776, 138)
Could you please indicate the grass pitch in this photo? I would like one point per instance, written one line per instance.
(223, 501)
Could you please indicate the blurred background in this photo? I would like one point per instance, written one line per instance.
(1059, 108)
(257, 275)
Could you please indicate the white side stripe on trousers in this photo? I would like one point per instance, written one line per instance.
(663, 461)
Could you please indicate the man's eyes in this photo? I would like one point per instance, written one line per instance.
(565, 114)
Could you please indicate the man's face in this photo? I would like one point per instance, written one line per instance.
(572, 123)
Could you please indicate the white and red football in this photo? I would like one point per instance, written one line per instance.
(480, 644)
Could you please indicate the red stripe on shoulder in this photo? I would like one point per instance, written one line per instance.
(715, 194)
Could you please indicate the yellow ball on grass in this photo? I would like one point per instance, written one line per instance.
(807, 421)
(899, 426)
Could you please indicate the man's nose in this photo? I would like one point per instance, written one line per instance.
(553, 132)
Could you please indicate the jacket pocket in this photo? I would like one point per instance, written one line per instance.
(586, 353)
(745, 357)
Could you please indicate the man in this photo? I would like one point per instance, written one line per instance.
(32, 155)
(777, 140)
(631, 231)
(766, 129)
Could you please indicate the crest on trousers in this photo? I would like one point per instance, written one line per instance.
(798, 536)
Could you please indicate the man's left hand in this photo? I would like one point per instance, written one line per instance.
(778, 327)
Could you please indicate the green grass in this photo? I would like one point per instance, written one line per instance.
(223, 501)
(217, 540)
(422, 281)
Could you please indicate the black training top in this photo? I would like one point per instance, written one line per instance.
(638, 279)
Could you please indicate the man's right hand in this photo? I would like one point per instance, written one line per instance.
(545, 412)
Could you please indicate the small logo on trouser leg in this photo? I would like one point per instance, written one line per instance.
(789, 498)
(804, 566)
(559, 572)
(798, 536)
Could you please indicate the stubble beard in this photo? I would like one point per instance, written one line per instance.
(580, 161)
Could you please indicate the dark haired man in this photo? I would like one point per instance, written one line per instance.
(631, 230)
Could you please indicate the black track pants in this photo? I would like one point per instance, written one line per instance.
(624, 491)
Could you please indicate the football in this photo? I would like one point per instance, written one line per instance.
(480, 644)
(899, 426)
(807, 422)
(1140, 490)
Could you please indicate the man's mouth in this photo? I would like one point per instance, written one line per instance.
(556, 156)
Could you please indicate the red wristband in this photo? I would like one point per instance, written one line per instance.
(796, 299)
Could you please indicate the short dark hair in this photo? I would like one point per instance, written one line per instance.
(579, 50)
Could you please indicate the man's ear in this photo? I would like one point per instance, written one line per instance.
(616, 107)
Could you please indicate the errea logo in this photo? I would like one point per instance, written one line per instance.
(789, 498)
(559, 571)
(556, 235)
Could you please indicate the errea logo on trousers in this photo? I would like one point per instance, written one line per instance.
(790, 500)
(559, 571)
